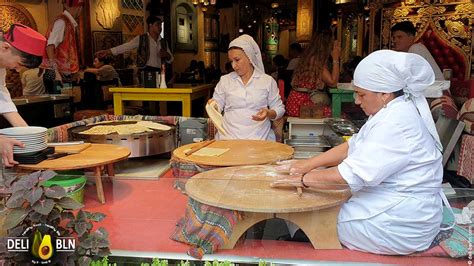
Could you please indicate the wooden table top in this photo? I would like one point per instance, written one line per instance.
(247, 188)
(242, 152)
(95, 155)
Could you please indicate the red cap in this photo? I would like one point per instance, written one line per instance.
(72, 3)
(26, 39)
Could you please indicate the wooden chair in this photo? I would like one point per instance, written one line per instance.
(449, 131)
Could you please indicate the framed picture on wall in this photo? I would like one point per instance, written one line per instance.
(104, 40)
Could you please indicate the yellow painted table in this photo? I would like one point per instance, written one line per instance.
(183, 93)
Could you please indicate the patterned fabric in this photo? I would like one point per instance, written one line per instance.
(66, 53)
(294, 102)
(466, 158)
(184, 169)
(204, 227)
(457, 245)
(466, 115)
(444, 106)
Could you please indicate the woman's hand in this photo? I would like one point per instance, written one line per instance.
(263, 114)
(290, 181)
(336, 51)
(6, 150)
(213, 103)
(295, 167)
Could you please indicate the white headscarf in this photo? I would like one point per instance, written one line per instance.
(389, 71)
(251, 49)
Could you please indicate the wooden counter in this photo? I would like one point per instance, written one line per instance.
(184, 93)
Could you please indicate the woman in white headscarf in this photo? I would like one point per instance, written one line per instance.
(248, 97)
(392, 166)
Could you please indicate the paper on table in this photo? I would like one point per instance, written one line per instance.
(211, 152)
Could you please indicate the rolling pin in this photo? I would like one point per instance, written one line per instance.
(198, 147)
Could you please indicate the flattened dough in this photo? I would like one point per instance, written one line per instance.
(154, 125)
(210, 152)
(216, 118)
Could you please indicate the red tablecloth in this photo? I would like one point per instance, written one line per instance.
(466, 159)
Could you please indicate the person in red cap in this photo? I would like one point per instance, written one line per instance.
(20, 47)
(61, 61)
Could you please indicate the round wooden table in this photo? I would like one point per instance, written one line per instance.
(95, 156)
(247, 189)
(241, 152)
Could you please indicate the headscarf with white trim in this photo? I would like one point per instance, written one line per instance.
(389, 71)
(251, 49)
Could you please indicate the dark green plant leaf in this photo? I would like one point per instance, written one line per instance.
(80, 228)
(33, 195)
(71, 261)
(89, 226)
(87, 243)
(54, 215)
(9, 178)
(26, 182)
(84, 261)
(104, 252)
(97, 216)
(70, 224)
(102, 232)
(44, 206)
(81, 216)
(17, 231)
(14, 217)
(69, 204)
(102, 243)
(35, 217)
(55, 192)
(80, 250)
(67, 215)
(47, 175)
(16, 200)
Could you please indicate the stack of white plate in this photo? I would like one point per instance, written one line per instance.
(34, 138)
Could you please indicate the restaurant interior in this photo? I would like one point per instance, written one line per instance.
(134, 151)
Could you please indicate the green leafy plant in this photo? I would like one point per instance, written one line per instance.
(32, 203)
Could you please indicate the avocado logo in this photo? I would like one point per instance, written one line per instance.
(42, 242)
(42, 247)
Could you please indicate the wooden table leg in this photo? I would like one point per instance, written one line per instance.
(110, 171)
(187, 105)
(250, 219)
(118, 104)
(98, 185)
(320, 226)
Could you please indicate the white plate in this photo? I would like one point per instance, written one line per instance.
(21, 131)
(27, 149)
(27, 136)
(39, 139)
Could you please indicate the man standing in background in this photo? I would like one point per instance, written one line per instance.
(403, 39)
(61, 62)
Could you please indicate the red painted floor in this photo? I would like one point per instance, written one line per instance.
(141, 215)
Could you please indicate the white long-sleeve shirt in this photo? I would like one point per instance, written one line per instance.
(394, 171)
(154, 60)
(239, 102)
(420, 49)
(6, 104)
